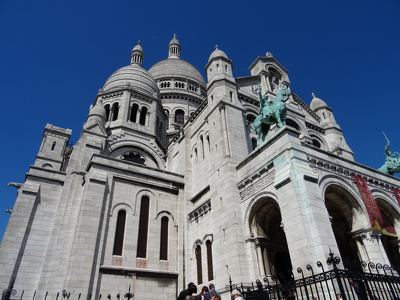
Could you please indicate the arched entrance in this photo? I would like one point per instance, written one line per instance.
(341, 207)
(270, 239)
(389, 236)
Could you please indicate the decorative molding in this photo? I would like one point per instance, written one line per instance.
(322, 168)
(305, 107)
(200, 194)
(254, 186)
(112, 95)
(199, 211)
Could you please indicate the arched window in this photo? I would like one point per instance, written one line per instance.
(134, 111)
(143, 113)
(316, 143)
(208, 143)
(198, 263)
(167, 121)
(119, 233)
(164, 238)
(179, 116)
(202, 146)
(115, 110)
(293, 124)
(107, 108)
(209, 261)
(250, 118)
(254, 143)
(143, 227)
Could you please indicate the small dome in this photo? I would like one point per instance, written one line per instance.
(317, 103)
(176, 68)
(98, 110)
(134, 76)
(97, 115)
(137, 48)
(217, 53)
(174, 41)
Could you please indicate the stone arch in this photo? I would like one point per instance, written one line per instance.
(119, 148)
(346, 214)
(317, 141)
(144, 193)
(264, 222)
(121, 205)
(391, 226)
(166, 214)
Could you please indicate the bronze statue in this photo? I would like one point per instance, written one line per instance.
(392, 163)
(271, 113)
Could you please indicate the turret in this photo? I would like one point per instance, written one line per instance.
(334, 138)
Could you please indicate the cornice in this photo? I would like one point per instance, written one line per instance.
(323, 167)
(305, 107)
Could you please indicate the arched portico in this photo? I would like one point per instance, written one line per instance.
(270, 244)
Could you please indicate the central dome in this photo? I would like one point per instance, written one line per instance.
(178, 68)
(134, 76)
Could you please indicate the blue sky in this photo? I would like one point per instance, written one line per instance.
(56, 55)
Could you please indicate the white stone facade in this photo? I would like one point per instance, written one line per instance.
(148, 200)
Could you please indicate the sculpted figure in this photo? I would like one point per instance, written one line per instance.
(392, 163)
(271, 113)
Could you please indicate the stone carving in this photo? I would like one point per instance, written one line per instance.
(257, 186)
(392, 163)
(271, 113)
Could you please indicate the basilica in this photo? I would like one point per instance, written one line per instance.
(169, 183)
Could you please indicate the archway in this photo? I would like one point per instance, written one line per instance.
(389, 236)
(270, 239)
(341, 207)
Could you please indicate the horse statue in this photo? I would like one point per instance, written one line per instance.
(392, 163)
(271, 113)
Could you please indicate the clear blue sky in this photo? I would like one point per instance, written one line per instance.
(56, 55)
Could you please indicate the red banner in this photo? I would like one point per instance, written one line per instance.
(396, 192)
(374, 213)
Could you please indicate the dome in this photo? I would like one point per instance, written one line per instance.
(317, 103)
(217, 53)
(174, 41)
(133, 75)
(176, 68)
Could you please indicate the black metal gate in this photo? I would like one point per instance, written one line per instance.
(357, 280)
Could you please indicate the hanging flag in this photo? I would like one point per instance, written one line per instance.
(374, 213)
(396, 192)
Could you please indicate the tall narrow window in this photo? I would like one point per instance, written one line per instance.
(167, 122)
(115, 110)
(107, 108)
(209, 261)
(202, 146)
(53, 146)
(143, 113)
(179, 116)
(164, 239)
(198, 262)
(119, 233)
(143, 227)
(134, 111)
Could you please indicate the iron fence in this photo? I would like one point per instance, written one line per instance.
(11, 294)
(356, 281)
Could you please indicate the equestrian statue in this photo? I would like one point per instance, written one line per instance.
(392, 163)
(270, 113)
